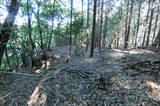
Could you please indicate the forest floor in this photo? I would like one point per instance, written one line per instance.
(113, 77)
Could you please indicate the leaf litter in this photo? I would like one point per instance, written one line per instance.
(111, 78)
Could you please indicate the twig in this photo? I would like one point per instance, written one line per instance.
(7, 95)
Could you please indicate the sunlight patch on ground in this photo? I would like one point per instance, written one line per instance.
(57, 56)
(117, 50)
(90, 60)
(124, 85)
(45, 65)
(154, 90)
(39, 71)
(38, 97)
(57, 71)
(118, 55)
(132, 52)
(140, 51)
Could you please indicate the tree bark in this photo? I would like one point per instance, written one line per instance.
(150, 24)
(39, 28)
(70, 36)
(88, 9)
(51, 33)
(7, 26)
(101, 27)
(126, 26)
(105, 29)
(129, 26)
(156, 22)
(7, 58)
(144, 37)
(138, 22)
(93, 28)
(29, 26)
(157, 40)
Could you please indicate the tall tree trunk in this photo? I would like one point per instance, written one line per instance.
(156, 22)
(129, 26)
(126, 26)
(105, 29)
(30, 31)
(138, 22)
(150, 24)
(29, 26)
(7, 58)
(7, 25)
(97, 32)
(82, 13)
(118, 33)
(93, 28)
(144, 37)
(117, 44)
(39, 28)
(134, 32)
(51, 33)
(70, 36)
(75, 34)
(101, 27)
(88, 9)
(157, 40)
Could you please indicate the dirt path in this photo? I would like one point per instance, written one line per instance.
(110, 78)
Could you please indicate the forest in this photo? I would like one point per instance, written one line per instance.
(79, 52)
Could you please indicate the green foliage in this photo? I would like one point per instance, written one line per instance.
(20, 44)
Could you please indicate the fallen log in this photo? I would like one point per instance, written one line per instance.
(17, 73)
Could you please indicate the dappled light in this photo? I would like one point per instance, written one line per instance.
(38, 97)
(79, 53)
(154, 90)
(135, 51)
(118, 55)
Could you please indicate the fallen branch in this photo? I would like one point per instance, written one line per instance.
(145, 71)
(84, 74)
(138, 73)
(8, 95)
(16, 73)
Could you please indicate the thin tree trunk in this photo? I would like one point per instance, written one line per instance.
(126, 26)
(7, 25)
(29, 26)
(70, 36)
(30, 30)
(157, 40)
(51, 33)
(93, 28)
(156, 22)
(105, 29)
(150, 24)
(134, 32)
(7, 58)
(40, 29)
(129, 26)
(138, 22)
(88, 9)
(100, 41)
(117, 44)
(82, 13)
(97, 32)
(144, 37)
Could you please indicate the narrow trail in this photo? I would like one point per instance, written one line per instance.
(111, 78)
